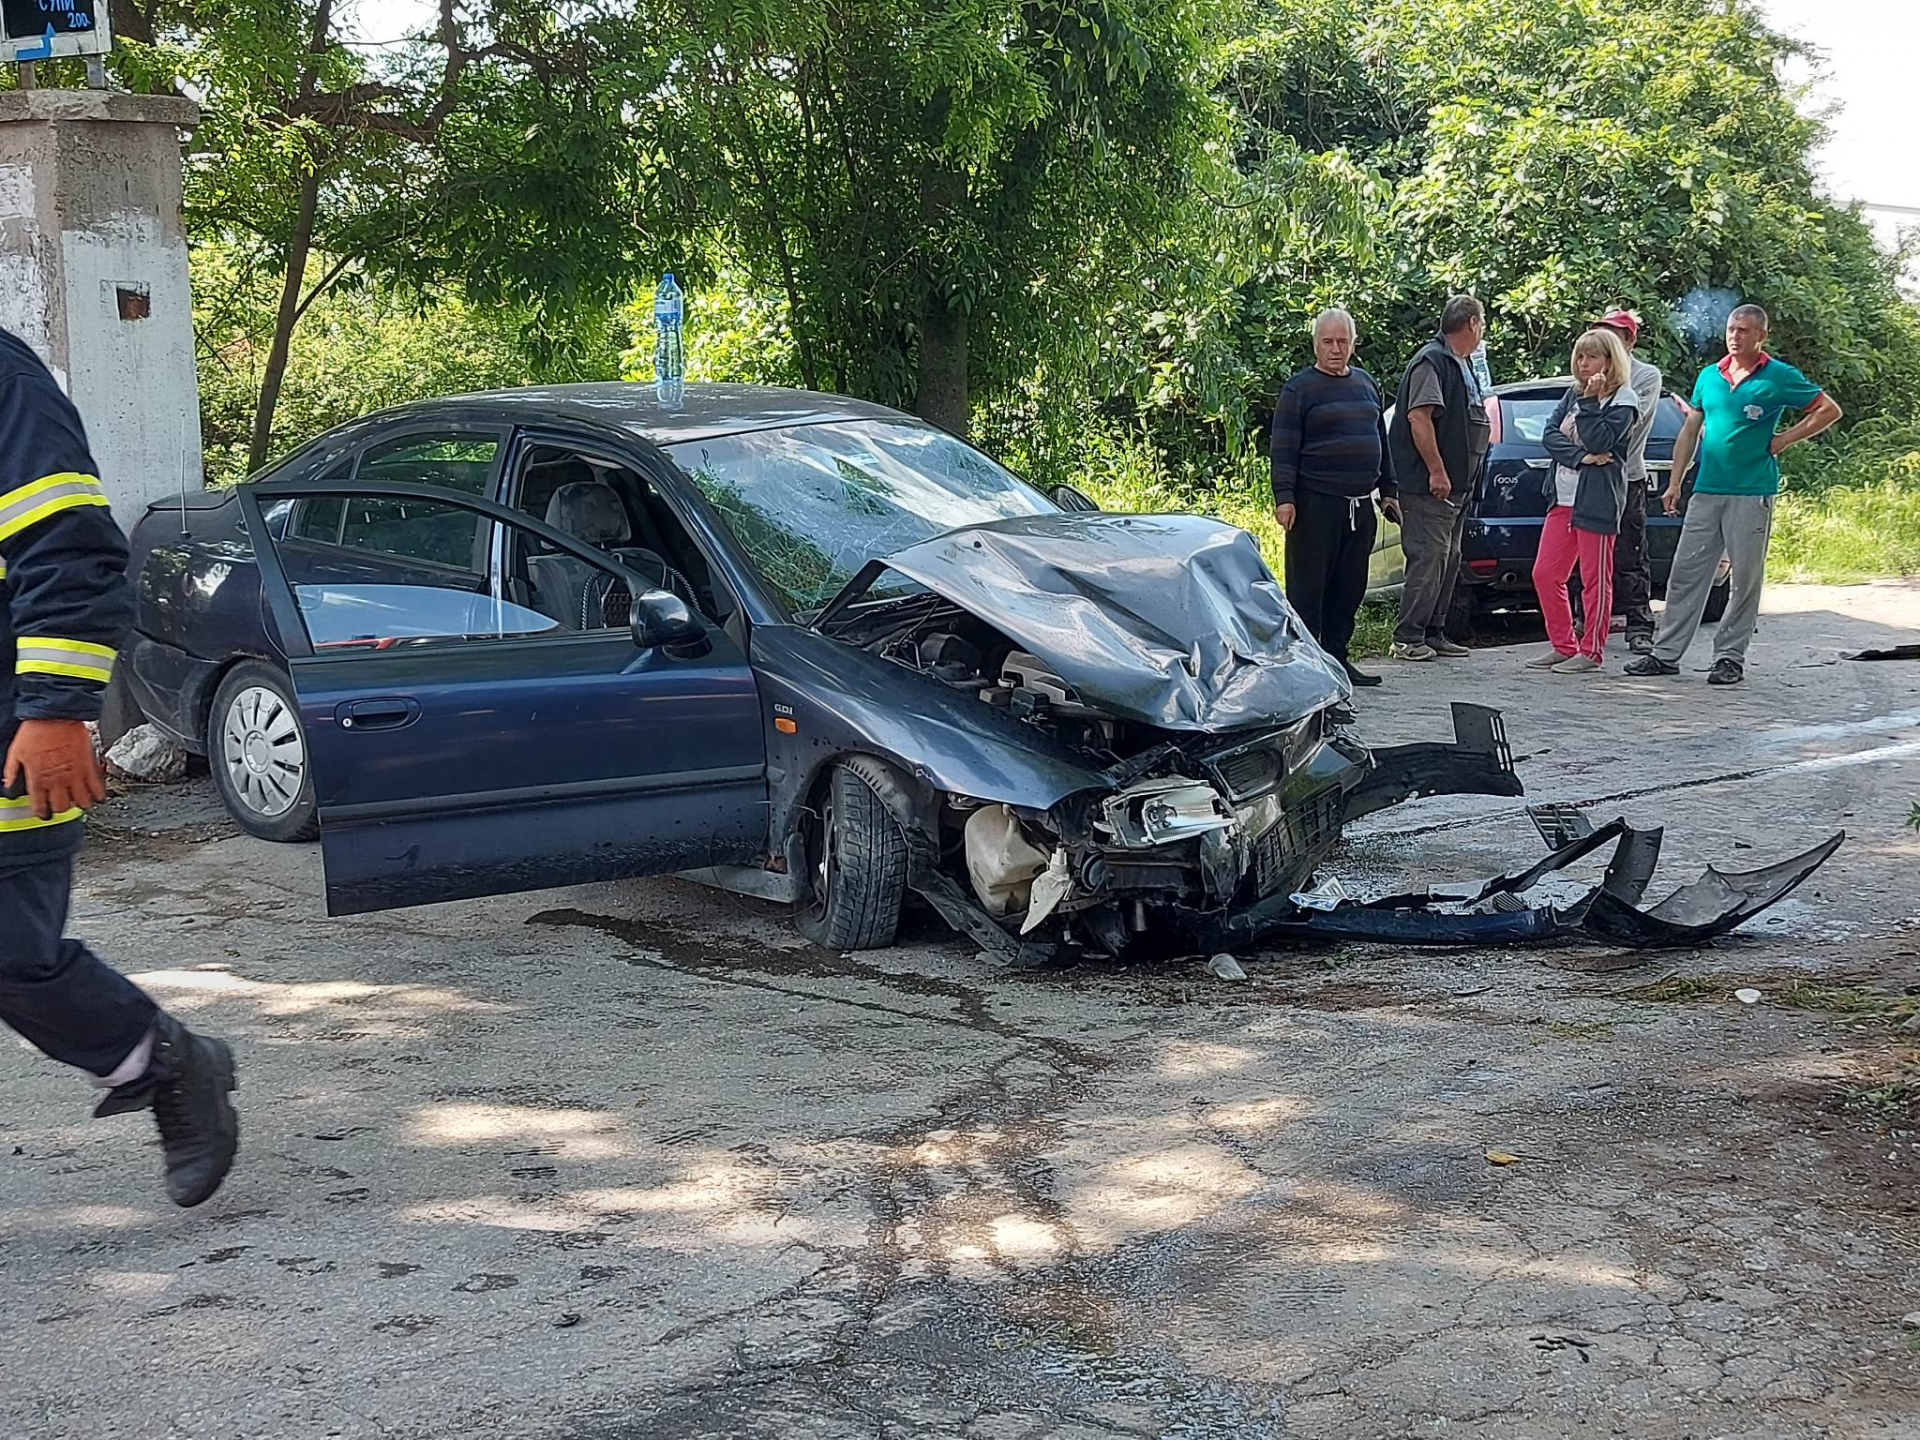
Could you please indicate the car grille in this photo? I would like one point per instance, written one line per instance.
(1301, 833)
(1255, 769)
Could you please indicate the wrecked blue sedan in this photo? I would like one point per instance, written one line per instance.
(795, 645)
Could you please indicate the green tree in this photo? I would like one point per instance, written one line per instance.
(487, 152)
(937, 189)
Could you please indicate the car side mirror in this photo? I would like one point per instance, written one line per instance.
(662, 619)
(1068, 498)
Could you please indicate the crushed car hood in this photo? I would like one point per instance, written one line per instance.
(1169, 620)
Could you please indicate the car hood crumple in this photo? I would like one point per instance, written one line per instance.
(1170, 620)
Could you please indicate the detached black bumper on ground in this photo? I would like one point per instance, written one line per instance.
(1498, 911)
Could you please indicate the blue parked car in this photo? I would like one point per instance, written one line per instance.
(802, 646)
(1510, 501)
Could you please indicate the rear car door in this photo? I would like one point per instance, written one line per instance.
(480, 725)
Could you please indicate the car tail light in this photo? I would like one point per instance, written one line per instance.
(1484, 567)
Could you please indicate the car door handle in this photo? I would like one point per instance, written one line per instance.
(387, 714)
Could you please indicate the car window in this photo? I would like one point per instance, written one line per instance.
(449, 459)
(374, 592)
(811, 504)
(421, 530)
(318, 518)
(1526, 419)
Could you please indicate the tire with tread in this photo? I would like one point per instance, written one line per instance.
(856, 903)
(1717, 601)
(301, 820)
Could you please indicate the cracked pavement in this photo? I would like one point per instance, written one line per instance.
(633, 1161)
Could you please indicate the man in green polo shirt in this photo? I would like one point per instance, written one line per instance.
(1734, 418)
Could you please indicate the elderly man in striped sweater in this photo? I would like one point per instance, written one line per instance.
(1329, 460)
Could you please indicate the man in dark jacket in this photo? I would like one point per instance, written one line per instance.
(1329, 457)
(65, 606)
(1437, 443)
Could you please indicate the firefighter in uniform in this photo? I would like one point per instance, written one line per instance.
(65, 604)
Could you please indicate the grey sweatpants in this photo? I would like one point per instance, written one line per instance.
(1737, 526)
(1430, 535)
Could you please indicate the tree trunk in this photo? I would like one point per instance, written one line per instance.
(942, 392)
(942, 396)
(284, 321)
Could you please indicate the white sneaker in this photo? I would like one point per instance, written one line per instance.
(1401, 651)
(1547, 661)
(1577, 665)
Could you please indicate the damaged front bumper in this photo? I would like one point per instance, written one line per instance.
(1187, 834)
(1504, 911)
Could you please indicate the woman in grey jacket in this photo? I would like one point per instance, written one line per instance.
(1587, 438)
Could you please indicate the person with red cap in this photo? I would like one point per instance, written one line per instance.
(1632, 570)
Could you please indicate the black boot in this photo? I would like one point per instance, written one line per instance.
(1358, 677)
(186, 1086)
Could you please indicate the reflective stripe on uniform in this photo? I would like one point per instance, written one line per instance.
(31, 504)
(77, 659)
(18, 815)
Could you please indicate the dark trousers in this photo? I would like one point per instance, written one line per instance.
(1430, 534)
(1632, 568)
(56, 992)
(1327, 553)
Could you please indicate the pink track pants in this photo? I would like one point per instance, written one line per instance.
(1561, 548)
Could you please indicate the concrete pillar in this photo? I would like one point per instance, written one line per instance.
(93, 275)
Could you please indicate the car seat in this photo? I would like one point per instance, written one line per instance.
(574, 591)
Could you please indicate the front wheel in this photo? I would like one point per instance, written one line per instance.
(257, 751)
(856, 865)
(1717, 598)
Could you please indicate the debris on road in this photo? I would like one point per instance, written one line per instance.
(1324, 896)
(143, 753)
(1560, 824)
(1502, 1157)
(1896, 652)
(1225, 967)
(1747, 996)
(1496, 911)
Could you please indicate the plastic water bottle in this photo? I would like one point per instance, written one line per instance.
(669, 350)
(1482, 373)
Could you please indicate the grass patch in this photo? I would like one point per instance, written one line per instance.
(1373, 630)
(1577, 1029)
(1890, 1102)
(1842, 535)
(1677, 989)
(1846, 1000)
(1853, 1001)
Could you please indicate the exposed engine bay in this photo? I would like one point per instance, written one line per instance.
(1188, 827)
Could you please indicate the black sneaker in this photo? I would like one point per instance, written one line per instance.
(186, 1087)
(1651, 665)
(1357, 678)
(1726, 672)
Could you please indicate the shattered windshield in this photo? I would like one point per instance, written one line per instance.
(812, 504)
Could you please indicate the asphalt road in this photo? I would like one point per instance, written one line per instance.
(632, 1161)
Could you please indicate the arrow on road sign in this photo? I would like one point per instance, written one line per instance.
(43, 51)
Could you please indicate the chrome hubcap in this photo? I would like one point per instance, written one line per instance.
(262, 748)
